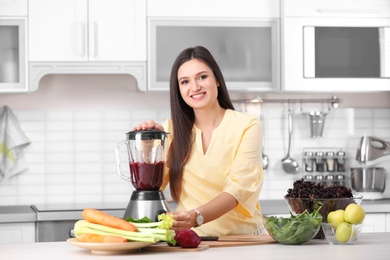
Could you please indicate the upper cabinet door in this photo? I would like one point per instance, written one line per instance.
(339, 47)
(117, 30)
(13, 64)
(58, 30)
(87, 30)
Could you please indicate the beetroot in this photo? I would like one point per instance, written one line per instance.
(187, 238)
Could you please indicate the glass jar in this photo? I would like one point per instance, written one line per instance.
(320, 162)
(309, 163)
(330, 165)
(341, 161)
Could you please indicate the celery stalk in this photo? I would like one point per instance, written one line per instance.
(152, 235)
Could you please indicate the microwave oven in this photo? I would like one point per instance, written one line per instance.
(336, 54)
(247, 51)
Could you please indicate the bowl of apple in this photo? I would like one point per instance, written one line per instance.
(343, 227)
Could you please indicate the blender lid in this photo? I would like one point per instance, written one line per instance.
(146, 134)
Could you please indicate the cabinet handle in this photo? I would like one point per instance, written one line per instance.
(81, 41)
(93, 39)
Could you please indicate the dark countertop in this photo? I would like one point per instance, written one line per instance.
(280, 206)
(21, 213)
(25, 213)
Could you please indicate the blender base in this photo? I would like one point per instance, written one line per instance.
(146, 204)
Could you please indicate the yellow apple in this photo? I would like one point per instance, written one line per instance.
(343, 232)
(335, 217)
(354, 214)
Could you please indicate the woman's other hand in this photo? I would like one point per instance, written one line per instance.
(147, 125)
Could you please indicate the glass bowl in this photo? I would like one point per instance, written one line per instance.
(292, 231)
(299, 205)
(330, 234)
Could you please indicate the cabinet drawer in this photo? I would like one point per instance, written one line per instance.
(374, 222)
(17, 233)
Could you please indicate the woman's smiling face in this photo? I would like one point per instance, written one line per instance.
(197, 83)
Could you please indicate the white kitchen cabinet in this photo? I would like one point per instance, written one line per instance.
(215, 8)
(13, 46)
(374, 222)
(387, 222)
(87, 30)
(17, 233)
(243, 38)
(13, 7)
(247, 51)
(335, 45)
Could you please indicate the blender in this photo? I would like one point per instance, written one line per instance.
(146, 160)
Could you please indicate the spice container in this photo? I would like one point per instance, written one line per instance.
(330, 165)
(308, 177)
(341, 161)
(341, 179)
(309, 163)
(320, 162)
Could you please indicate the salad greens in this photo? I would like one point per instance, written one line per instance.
(297, 229)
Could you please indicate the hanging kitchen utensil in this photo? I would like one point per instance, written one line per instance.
(316, 123)
(265, 157)
(289, 164)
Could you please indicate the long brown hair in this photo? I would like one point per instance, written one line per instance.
(183, 115)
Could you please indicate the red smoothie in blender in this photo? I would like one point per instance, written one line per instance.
(147, 176)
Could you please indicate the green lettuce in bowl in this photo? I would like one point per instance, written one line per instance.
(293, 230)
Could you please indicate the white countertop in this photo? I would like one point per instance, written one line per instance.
(370, 246)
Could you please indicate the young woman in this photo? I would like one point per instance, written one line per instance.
(213, 167)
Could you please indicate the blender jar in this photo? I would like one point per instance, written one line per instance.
(146, 157)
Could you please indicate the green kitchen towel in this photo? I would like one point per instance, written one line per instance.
(12, 142)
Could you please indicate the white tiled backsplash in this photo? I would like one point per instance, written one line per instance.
(71, 156)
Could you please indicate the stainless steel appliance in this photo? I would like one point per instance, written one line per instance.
(372, 168)
(372, 179)
(334, 45)
(146, 160)
(55, 222)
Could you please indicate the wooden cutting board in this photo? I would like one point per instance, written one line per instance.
(224, 241)
(164, 247)
(240, 240)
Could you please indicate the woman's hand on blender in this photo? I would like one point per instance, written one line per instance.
(183, 219)
(147, 125)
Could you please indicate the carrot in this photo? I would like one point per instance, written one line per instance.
(95, 238)
(102, 218)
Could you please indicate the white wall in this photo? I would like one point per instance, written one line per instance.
(75, 121)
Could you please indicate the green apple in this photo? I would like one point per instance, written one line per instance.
(343, 232)
(335, 217)
(354, 214)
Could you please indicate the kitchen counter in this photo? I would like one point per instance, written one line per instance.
(370, 245)
(9, 214)
(17, 214)
(280, 206)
